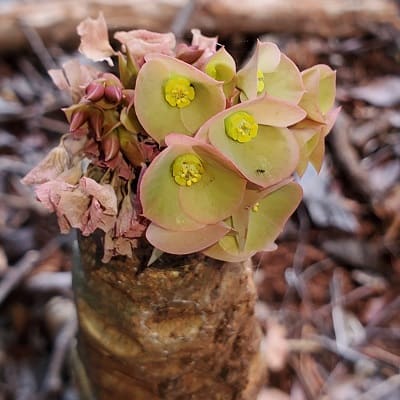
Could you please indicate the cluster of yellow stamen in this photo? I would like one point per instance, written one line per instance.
(241, 126)
(255, 207)
(187, 169)
(179, 92)
(260, 82)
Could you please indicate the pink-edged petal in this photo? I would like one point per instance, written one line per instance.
(326, 87)
(317, 156)
(74, 77)
(96, 218)
(330, 120)
(155, 115)
(266, 59)
(174, 139)
(309, 100)
(222, 67)
(265, 109)
(141, 42)
(209, 100)
(54, 164)
(160, 118)
(285, 81)
(307, 134)
(216, 195)
(117, 246)
(73, 206)
(49, 193)
(178, 242)
(311, 138)
(265, 160)
(94, 39)
(202, 42)
(104, 193)
(220, 253)
(206, 44)
(58, 78)
(159, 193)
(272, 213)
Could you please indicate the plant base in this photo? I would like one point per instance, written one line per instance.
(183, 328)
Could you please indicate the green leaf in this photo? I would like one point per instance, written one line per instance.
(129, 120)
(128, 70)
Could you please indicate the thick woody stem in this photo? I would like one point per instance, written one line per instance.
(182, 328)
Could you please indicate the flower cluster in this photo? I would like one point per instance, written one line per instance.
(182, 148)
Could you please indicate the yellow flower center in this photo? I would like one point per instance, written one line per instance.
(187, 169)
(241, 126)
(255, 207)
(179, 92)
(260, 82)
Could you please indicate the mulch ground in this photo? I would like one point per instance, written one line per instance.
(329, 297)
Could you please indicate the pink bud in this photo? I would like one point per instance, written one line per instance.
(78, 118)
(96, 120)
(110, 146)
(113, 94)
(190, 55)
(94, 91)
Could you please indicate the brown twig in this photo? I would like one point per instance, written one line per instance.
(388, 312)
(53, 381)
(347, 158)
(381, 390)
(338, 317)
(53, 125)
(37, 45)
(180, 22)
(382, 355)
(17, 273)
(22, 203)
(49, 282)
(357, 294)
(345, 352)
(294, 275)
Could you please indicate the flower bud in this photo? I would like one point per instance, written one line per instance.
(110, 146)
(96, 121)
(95, 91)
(78, 118)
(113, 94)
(130, 147)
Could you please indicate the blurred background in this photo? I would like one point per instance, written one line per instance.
(329, 297)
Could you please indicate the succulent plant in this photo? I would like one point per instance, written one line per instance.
(179, 147)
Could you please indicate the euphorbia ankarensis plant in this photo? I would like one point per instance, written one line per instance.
(180, 147)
